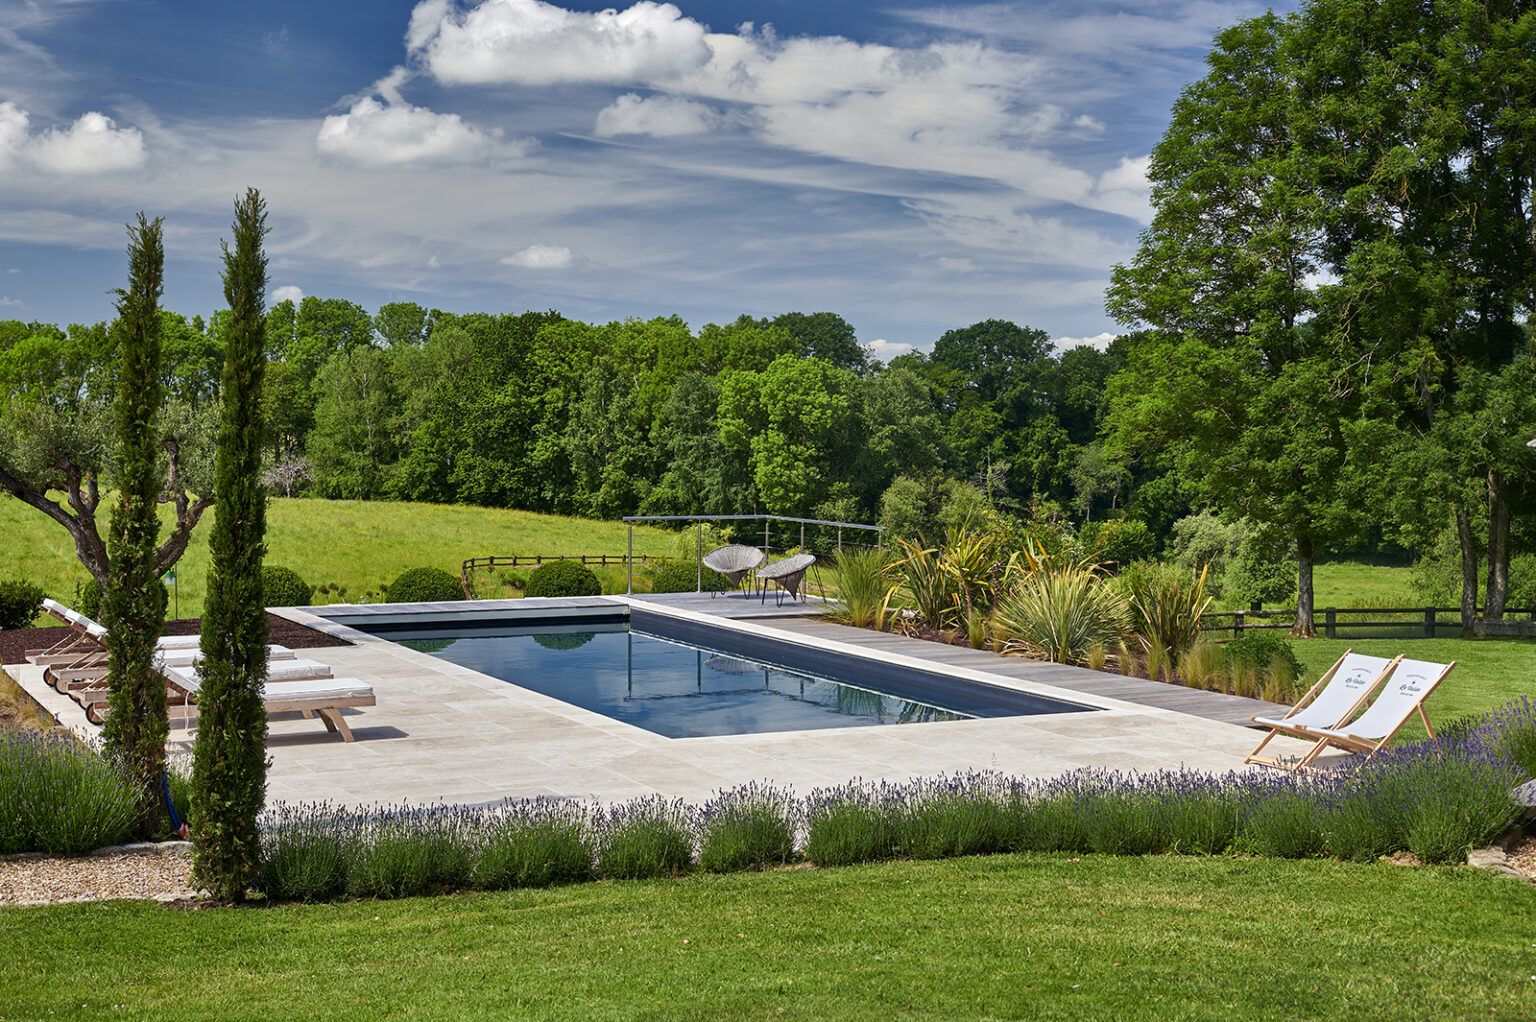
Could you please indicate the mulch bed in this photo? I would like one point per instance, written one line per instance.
(15, 644)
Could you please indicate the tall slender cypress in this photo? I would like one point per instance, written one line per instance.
(229, 773)
(133, 609)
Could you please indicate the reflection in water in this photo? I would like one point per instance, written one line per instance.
(673, 688)
(564, 640)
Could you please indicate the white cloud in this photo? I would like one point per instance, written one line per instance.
(287, 293)
(1100, 341)
(1124, 189)
(528, 42)
(374, 134)
(658, 116)
(540, 257)
(955, 264)
(11, 303)
(92, 144)
(886, 350)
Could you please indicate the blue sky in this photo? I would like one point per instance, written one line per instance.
(912, 165)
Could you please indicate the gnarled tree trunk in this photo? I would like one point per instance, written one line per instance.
(1306, 551)
(1498, 548)
(1468, 546)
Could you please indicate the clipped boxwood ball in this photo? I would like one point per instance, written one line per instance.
(563, 578)
(424, 585)
(283, 587)
(683, 577)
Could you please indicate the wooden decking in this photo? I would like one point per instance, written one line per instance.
(737, 605)
(1210, 705)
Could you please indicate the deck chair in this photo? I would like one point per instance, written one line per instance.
(1403, 695)
(787, 574)
(324, 698)
(1338, 695)
(734, 561)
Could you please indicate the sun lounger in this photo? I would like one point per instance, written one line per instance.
(1338, 695)
(93, 696)
(734, 561)
(787, 574)
(1403, 695)
(323, 697)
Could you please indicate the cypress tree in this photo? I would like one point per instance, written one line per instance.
(133, 607)
(229, 772)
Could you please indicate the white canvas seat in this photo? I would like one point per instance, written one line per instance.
(1338, 695)
(1403, 695)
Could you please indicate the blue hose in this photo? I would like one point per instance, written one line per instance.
(170, 804)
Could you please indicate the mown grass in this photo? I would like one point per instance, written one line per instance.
(1356, 584)
(359, 545)
(1028, 936)
(1488, 674)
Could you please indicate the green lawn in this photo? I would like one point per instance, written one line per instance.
(357, 544)
(1036, 937)
(1488, 674)
(1354, 584)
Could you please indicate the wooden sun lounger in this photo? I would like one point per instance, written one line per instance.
(1338, 695)
(93, 695)
(325, 698)
(1411, 683)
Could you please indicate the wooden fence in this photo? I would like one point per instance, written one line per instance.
(1352, 622)
(469, 567)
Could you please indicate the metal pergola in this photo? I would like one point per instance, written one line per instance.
(699, 520)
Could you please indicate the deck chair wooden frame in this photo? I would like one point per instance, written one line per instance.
(1341, 738)
(1275, 727)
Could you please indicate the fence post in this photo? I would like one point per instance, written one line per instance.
(1237, 625)
(1330, 623)
(629, 561)
(766, 522)
(1430, 623)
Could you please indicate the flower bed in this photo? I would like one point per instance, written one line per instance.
(1433, 800)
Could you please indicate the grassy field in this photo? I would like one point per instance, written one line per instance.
(359, 545)
(1354, 584)
(1488, 674)
(1038, 937)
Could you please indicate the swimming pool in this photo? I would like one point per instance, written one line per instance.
(684, 680)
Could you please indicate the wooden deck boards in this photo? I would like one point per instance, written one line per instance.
(1196, 702)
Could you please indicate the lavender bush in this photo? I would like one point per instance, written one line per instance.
(851, 823)
(751, 827)
(649, 837)
(412, 850)
(536, 844)
(59, 795)
(1434, 799)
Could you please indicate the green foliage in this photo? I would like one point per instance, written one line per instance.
(20, 603)
(865, 583)
(644, 838)
(752, 827)
(1060, 612)
(283, 587)
(909, 509)
(563, 578)
(425, 585)
(547, 844)
(1117, 541)
(1261, 651)
(229, 771)
(680, 577)
(848, 825)
(133, 608)
(1166, 607)
(61, 797)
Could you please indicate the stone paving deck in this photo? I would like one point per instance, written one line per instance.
(441, 732)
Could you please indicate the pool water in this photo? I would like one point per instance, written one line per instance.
(677, 681)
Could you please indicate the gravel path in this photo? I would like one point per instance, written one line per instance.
(1523, 858)
(160, 872)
